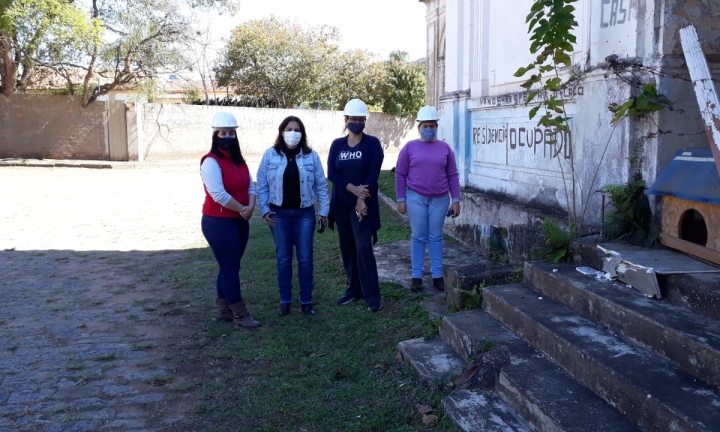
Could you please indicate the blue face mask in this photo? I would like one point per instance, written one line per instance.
(356, 128)
(428, 134)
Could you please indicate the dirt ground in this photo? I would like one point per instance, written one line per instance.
(82, 346)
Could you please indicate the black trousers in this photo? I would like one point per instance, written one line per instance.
(358, 256)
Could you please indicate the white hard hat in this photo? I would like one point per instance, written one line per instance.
(356, 108)
(224, 120)
(427, 113)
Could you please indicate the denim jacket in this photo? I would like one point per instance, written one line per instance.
(312, 181)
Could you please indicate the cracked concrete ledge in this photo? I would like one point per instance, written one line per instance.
(393, 206)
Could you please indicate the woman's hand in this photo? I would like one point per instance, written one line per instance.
(455, 207)
(247, 212)
(402, 207)
(360, 191)
(268, 218)
(361, 209)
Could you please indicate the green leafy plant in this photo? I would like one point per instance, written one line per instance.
(631, 217)
(551, 23)
(558, 247)
(470, 299)
(192, 94)
(647, 102)
(496, 252)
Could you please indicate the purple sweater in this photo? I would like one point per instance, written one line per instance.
(429, 169)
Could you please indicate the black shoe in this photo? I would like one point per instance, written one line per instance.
(439, 283)
(284, 309)
(416, 285)
(308, 309)
(346, 299)
(375, 308)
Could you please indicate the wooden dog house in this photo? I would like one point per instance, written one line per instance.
(690, 187)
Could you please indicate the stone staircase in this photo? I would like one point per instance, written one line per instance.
(562, 351)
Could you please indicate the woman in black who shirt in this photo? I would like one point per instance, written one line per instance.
(354, 167)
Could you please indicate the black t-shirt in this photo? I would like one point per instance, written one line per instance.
(291, 179)
(350, 163)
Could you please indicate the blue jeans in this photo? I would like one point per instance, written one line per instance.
(427, 217)
(294, 228)
(228, 238)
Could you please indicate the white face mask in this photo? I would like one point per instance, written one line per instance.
(292, 138)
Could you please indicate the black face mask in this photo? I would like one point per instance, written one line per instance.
(227, 144)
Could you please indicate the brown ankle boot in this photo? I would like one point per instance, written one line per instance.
(241, 317)
(439, 283)
(223, 311)
(416, 285)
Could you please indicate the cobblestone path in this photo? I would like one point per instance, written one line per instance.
(86, 323)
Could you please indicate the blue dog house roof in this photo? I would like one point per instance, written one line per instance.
(691, 175)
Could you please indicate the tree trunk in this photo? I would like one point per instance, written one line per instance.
(7, 72)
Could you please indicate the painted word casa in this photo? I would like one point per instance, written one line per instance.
(347, 155)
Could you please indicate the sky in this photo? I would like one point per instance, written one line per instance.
(380, 26)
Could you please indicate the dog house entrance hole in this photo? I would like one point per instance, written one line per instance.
(693, 228)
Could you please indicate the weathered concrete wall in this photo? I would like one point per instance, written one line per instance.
(183, 131)
(505, 156)
(435, 84)
(51, 127)
(677, 14)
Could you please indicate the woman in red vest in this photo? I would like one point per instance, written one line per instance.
(229, 203)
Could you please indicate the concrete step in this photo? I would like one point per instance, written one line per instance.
(475, 411)
(688, 339)
(648, 389)
(540, 392)
(433, 359)
(436, 362)
(700, 291)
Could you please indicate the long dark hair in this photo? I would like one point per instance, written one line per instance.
(234, 150)
(280, 140)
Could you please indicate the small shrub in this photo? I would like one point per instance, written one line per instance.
(558, 242)
(631, 217)
(470, 299)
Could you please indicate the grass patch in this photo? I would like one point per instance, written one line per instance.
(334, 371)
(158, 380)
(142, 346)
(393, 229)
(386, 183)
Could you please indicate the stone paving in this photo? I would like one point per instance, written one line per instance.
(85, 321)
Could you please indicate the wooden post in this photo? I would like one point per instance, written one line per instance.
(704, 87)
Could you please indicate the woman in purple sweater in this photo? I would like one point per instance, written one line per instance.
(426, 178)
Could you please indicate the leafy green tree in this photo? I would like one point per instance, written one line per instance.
(192, 94)
(404, 88)
(112, 43)
(350, 74)
(278, 60)
(32, 31)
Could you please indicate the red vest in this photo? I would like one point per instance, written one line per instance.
(236, 179)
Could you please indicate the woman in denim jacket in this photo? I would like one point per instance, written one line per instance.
(289, 178)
